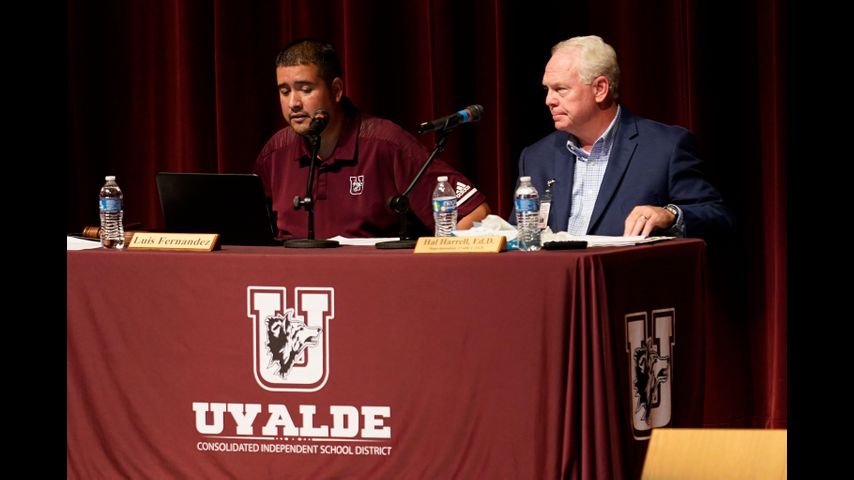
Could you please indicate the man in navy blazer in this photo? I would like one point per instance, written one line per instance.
(611, 172)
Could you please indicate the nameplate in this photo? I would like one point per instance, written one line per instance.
(492, 244)
(184, 242)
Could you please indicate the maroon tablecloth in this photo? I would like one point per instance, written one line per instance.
(256, 362)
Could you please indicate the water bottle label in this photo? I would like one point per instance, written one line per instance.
(527, 205)
(444, 205)
(111, 205)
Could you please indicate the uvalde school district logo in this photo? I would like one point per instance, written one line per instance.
(650, 340)
(290, 353)
(291, 343)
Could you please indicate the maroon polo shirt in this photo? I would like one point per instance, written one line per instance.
(373, 161)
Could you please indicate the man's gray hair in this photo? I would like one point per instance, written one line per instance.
(595, 58)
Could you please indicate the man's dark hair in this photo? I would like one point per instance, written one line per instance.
(304, 51)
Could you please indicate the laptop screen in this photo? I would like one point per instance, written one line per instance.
(232, 205)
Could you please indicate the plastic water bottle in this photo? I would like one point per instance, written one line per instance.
(112, 229)
(444, 207)
(527, 215)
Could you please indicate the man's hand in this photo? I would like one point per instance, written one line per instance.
(643, 219)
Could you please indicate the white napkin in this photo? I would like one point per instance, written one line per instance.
(492, 225)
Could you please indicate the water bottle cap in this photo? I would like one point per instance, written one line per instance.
(524, 179)
(443, 178)
(110, 178)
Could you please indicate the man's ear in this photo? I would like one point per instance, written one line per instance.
(338, 88)
(601, 88)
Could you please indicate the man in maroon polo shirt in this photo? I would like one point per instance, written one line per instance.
(362, 161)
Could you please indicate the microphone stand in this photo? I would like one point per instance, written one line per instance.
(400, 203)
(307, 203)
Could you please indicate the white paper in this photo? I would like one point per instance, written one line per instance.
(600, 240)
(73, 243)
(362, 242)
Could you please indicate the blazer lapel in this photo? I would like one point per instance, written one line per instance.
(621, 155)
(564, 170)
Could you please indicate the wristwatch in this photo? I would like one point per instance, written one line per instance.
(677, 229)
(672, 209)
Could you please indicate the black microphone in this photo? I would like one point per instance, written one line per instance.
(471, 113)
(318, 122)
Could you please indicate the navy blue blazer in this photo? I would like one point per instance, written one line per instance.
(650, 164)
